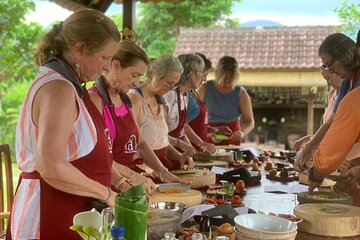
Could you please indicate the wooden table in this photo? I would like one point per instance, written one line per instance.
(257, 199)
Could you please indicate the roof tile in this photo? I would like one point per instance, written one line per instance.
(258, 48)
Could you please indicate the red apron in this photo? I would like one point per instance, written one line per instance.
(200, 124)
(58, 208)
(127, 135)
(162, 155)
(234, 126)
(179, 131)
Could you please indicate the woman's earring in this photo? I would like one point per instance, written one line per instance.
(114, 83)
(77, 65)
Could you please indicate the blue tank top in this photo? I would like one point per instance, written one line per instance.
(222, 108)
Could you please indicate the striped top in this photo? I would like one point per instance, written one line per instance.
(26, 208)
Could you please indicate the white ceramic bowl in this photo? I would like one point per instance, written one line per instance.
(243, 236)
(264, 226)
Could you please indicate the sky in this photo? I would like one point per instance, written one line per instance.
(285, 12)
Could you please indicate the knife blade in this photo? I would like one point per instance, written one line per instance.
(168, 186)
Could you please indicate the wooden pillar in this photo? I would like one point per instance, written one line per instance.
(310, 114)
(129, 14)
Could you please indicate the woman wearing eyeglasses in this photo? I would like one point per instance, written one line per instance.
(335, 139)
(227, 102)
(181, 134)
(162, 74)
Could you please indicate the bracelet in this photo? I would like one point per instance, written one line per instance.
(120, 181)
(108, 197)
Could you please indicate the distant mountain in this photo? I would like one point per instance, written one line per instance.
(263, 23)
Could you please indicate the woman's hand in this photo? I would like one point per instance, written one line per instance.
(238, 135)
(187, 148)
(304, 157)
(313, 185)
(208, 147)
(168, 177)
(301, 142)
(111, 201)
(150, 186)
(225, 130)
(186, 160)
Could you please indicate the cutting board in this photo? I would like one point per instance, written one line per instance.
(329, 219)
(304, 179)
(199, 177)
(211, 164)
(160, 221)
(219, 156)
(189, 198)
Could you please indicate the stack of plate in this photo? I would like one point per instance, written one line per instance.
(260, 226)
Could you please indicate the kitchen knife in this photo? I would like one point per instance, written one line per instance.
(167, 186)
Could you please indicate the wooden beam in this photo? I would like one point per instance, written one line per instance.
(310, 114)
(129, 14)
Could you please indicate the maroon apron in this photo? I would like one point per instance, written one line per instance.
(200, 124)
(234, 126)
(58, 208)
(162, 155)
(127, 135)
(179, 131)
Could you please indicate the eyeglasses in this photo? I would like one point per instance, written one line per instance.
(174, 86)
(327, 67)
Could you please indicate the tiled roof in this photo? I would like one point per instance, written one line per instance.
(258, 48)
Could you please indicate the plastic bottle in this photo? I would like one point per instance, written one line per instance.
(117, 233)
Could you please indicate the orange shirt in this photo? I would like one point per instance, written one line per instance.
(342, 135)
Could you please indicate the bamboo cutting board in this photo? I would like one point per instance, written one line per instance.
(329, 219)
(199, 177)
(218, 156)
(211, 164)
(189, 198)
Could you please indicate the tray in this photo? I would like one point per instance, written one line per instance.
(241, 174)
(279, 178)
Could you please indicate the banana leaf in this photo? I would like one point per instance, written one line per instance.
(131, 212)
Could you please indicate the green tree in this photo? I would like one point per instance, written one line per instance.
(349, 14)
(17, 45)
(159, 23)
(118, 20)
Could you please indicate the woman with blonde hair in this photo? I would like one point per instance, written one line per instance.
(163, 74)
(227, 102)
(62, 148)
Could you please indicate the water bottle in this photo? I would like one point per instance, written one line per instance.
(117, 233)
(108, 219)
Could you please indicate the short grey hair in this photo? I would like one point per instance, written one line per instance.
(190, 63)
(161, 67)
